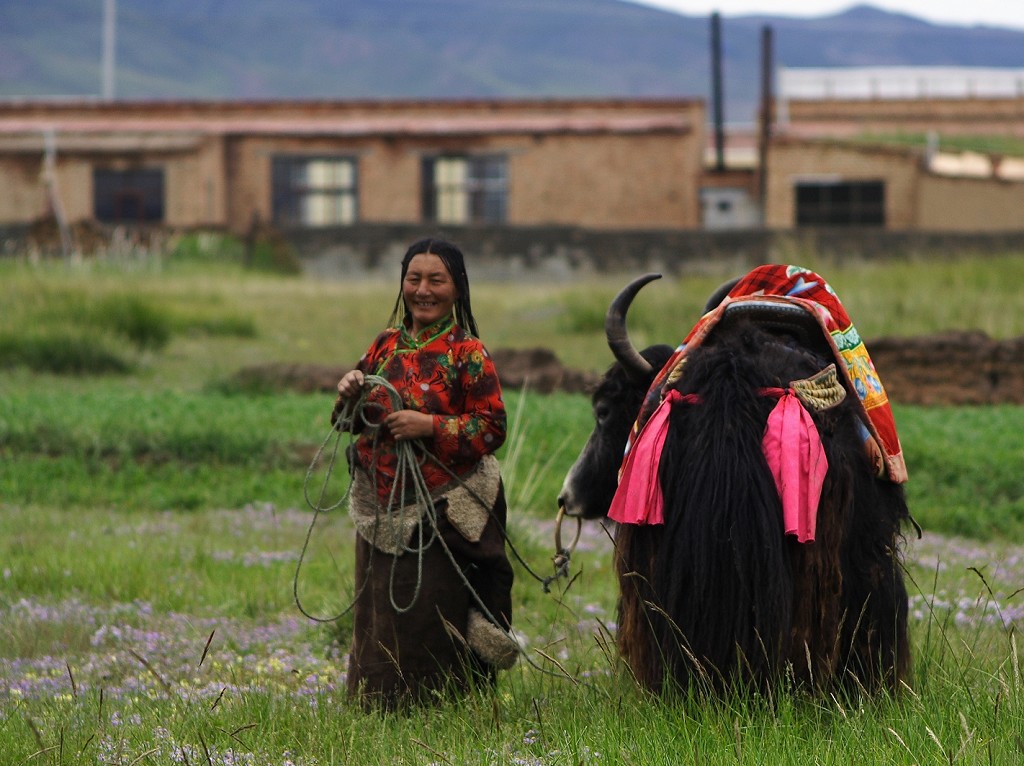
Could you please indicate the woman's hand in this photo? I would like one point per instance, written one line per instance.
(351, 384)
(409, 424)
(348, 388)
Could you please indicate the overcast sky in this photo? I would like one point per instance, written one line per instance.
(999, 13)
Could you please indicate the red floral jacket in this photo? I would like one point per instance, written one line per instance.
(447, 373)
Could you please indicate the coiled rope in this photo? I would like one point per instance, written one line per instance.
(410, 456)
(409, 483)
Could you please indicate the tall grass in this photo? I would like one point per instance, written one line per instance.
(171, 638)
(72, 328)
(64, 353)
(210, 308)
(151, 528)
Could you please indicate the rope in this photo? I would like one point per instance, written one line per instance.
(409, 482)
(562, 555)
(345, 421)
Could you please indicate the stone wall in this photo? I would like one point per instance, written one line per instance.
(553, 252)
(571, 253)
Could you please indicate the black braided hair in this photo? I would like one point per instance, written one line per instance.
(455, 262)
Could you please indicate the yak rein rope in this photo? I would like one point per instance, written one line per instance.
(562, 555)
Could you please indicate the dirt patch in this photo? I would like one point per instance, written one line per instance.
(537, 369)
(280, 376)
(946, 368)
(951, 368)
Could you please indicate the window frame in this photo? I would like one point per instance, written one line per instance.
(839, 202)
(134, 195)
(300, 201)
(460, 188)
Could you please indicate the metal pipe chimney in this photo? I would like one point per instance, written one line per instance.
(716, 90)
(767, 69)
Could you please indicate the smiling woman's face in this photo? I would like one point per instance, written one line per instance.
(428, 289)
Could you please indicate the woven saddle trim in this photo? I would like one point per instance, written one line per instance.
(391, 532)
(821, 391)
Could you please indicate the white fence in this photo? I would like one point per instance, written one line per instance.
(898, 82)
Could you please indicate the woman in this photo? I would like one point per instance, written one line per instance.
(433, 609)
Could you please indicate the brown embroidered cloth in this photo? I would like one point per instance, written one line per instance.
(429, 651)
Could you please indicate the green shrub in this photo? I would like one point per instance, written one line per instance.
(216, 326)
(583, 314)
(206, 248)
(141, 322)
(273, 254)
(263, 250)
(60, 353)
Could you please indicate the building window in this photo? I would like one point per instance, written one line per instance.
(460, 189)
(728, 207)
(840, 203)
(314, 191)
(128, 196)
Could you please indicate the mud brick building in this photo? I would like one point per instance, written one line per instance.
(836, 157)
(596, 164)
(829, 162)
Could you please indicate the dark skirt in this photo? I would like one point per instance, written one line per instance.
(420, 654)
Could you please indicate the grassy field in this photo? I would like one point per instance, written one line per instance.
(160, 603)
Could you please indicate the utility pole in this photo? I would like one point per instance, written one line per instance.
(109, 44)
(53, 196)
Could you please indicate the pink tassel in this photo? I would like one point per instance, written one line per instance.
(792, 447)
(638, 498)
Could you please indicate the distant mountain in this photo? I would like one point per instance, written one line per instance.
(254, 49)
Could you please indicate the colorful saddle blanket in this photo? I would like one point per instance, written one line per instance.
(794, 285)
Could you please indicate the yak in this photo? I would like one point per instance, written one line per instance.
(721, 594)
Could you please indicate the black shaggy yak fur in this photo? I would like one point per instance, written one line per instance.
(615, 402)
(719, 597)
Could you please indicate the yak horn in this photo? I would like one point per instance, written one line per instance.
(719, 294)
(615, 330)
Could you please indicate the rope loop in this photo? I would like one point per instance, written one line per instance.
(562, 555)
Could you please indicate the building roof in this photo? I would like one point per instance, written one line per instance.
(91, 125)
(355, 126)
